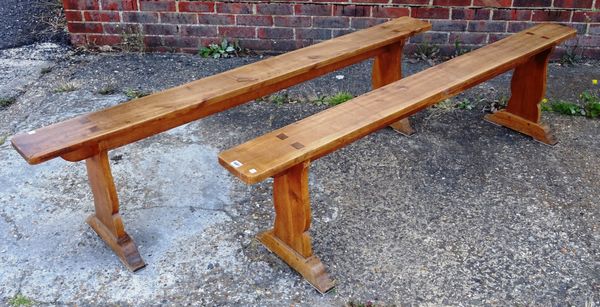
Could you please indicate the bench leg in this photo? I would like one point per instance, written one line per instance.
(107, 221)
(528, 87)
(289, 238)
(387, 68)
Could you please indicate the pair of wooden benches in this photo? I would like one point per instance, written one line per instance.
(285, 154)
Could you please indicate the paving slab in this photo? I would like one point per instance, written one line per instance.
(462, 213)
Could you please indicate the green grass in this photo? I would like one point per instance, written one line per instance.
(6, 102)
(66, 87)
(134, 94)
(20, 300)
(338, 98)
(107, 90)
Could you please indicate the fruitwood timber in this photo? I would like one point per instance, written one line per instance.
(84, 136)
(283, 151)
(107, 221)
(289, 238)
(387, 68)
(90, 136)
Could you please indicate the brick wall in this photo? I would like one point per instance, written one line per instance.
(184, 26)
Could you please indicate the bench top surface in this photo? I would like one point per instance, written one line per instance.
(315, 136)
(152, 114)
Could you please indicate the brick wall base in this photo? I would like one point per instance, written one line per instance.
(185, 26)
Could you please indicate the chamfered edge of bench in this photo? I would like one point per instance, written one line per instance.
(233, 159)
(27, 145)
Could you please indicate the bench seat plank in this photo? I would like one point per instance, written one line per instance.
(315, 136)
(83, 136)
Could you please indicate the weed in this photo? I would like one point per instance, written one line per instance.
(65, 87)
(132, 42)
(20, 300)
(338, 98)
(6, 102)
(459, 49)
(570, 57)
(135, 94)
(427, 51)
(465, 104)
(46, 70)
(2, 139)
(566, 108)
(225, 49)
(108, 90)
(279, 99)
(591, 102)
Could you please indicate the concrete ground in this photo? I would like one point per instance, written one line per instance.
(462, 213)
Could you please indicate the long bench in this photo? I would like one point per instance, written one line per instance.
(286, 153)
(89, 137)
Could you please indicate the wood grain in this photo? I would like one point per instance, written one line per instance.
(107, 221)
(339, 126)
(387, 68)
(81, 137)
(289, 238)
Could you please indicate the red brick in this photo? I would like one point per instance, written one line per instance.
(352, 10)
(523, 15)
(412, 2)
(492, 3)
(313, 9)
(196, 6)
(514, 27)
(81, 4)
(431, 37)
(532, 3)
(121, 28)
(369, 1)
(471, 14)
(468, 38)
(101, 16)
(163, 6)
(487, 26)
(449, 25)
(159, 29)
(256, 44)
(101, 40)
(254, 20)
(119, 5)
(199, 31)
(551, 16)
(340, 32)
(313, 34)
(140, 17)
(594, 29)
(73, 16)
(452, 2)
(274, 9)
(84, 27)
(178, 18)
(78, 39)
(237, 32)
(181, 41)
(276, 33)
(390, 12)
(292, 21)
(582, 4)
(213, 19)
(234, 8)
(430, 12)
(362, 23)
(494, 37)
(331, 22)
(586, 16)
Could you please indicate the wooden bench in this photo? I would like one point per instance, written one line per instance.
(89, 137)
(285, 154)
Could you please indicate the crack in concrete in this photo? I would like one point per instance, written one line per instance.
(15, 229)
(231, 216)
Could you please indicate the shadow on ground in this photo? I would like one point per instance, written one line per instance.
(462, 213)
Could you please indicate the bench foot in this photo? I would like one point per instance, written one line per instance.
(289, 238)
(403, 127)
(537, 131)
(107, 221)
(387, 68)
(124, 246)
(311, 268)
(528, 87)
